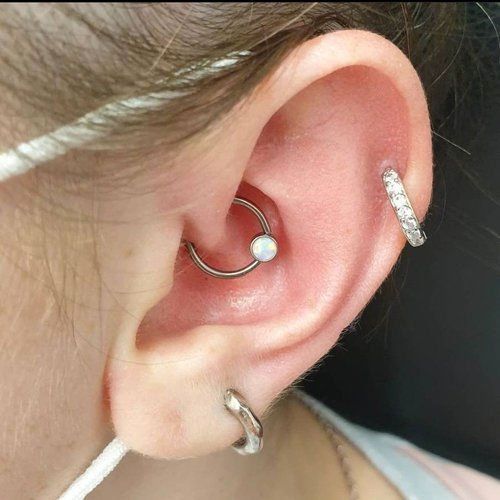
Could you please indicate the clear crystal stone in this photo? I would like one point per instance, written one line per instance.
(390, 175)
(404, 212)
(394, 188)
(399, 201)
(264, 248)
(409, 223)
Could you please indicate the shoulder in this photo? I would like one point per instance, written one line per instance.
(417, 474)
(463, 481)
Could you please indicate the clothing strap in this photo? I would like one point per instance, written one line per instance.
(387, 454)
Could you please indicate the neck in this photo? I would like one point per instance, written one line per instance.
(297, 456)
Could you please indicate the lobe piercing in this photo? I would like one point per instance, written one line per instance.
(402, 208)
(263, 247)
(253, 440)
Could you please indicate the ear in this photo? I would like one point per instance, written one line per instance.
(309, 147)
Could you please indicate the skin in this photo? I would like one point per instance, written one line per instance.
(298, 462)
(143, 345)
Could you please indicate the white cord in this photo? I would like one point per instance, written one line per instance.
(88, 128)
(97, 471)
(28, 155)
(95, 124)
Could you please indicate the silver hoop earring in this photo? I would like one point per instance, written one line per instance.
(253, 440)
(263, 247)
(402, 208)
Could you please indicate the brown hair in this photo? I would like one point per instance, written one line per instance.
(60, 61)
(68, 59)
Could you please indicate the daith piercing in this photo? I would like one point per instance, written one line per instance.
(263, 247)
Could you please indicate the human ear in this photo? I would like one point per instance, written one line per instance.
(308, 147)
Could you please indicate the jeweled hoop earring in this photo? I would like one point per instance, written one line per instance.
(403, 208)
(263, 247)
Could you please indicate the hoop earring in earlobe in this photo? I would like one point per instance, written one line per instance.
(253, 441)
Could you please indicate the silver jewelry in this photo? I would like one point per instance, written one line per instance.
(253, 440)
(402, 208)
(263, 247)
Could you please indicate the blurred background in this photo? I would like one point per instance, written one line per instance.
(423, 361)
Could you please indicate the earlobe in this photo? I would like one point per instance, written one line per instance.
(310, 148)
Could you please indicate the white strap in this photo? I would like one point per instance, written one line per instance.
(88, 128)
(28, 155)
(97, 471)
(96, 124)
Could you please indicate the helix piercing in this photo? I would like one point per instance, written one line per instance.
(263, 247)
(403, 208)
(253, 440)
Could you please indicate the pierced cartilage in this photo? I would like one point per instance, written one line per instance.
(263, 248)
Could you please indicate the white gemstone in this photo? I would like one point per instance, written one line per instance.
(394, 188)
(390, 175)
(264, 248)
(404, 212)
(399, 201)
(409, 223)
